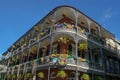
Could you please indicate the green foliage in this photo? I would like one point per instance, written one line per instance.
(20, 76)
(83, 46)
(13, 76)
(29, 75)
(41, 74)
(61, 74)
(85, 76)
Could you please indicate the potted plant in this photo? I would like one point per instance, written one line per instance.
(85, 77)
(40, 75)
(61, 75)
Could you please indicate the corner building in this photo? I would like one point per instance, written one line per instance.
(64, 45)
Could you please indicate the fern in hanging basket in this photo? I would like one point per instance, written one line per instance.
(83, 46)
(14, 59)
(85, 77)
(61, 74)
(20, 76)
(13, 76)
(8, 76)
(40, 75)
(29, 75)
(36, 29)
(33, 49)
(48, 21)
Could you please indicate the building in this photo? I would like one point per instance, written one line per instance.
(66, 44)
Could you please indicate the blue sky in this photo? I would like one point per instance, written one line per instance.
(18, 16)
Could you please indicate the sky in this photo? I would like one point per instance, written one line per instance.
(18, 16)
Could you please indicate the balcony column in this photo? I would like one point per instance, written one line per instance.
(89, 22)
(102, 59)
(76, 20)
(53, 22)
(27, 59)
(99, 31)
(92, 76)
(76, 46)
(35, 64)
(51, 44)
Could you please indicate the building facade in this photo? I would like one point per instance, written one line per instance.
(66, 44)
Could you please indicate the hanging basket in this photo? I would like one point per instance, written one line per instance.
(20, 76)
(63, 40)
(29, 75)
(48, 21)
(61, 74)
(13, 76)
(36, 29)
(8, 76)
(33, 49)
(14, 59)
(40, 75)
(85, 77)
(64, 14)
(83, 46)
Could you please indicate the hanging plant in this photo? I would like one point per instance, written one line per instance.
(20, 76)
(61, 74)
(25, 54)
(40, 75)
(63, 40)
(13, 46)
(98, 78)
(22, 40)
(29, 75)
(13, 76)
(64, 14)
(8, 76)
(83, 46)
(33, 49)
(85, 77)
(36, 28)
(14, 59)
(48, 21)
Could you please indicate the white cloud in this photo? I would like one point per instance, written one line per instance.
(107, 16)
(108, 13)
